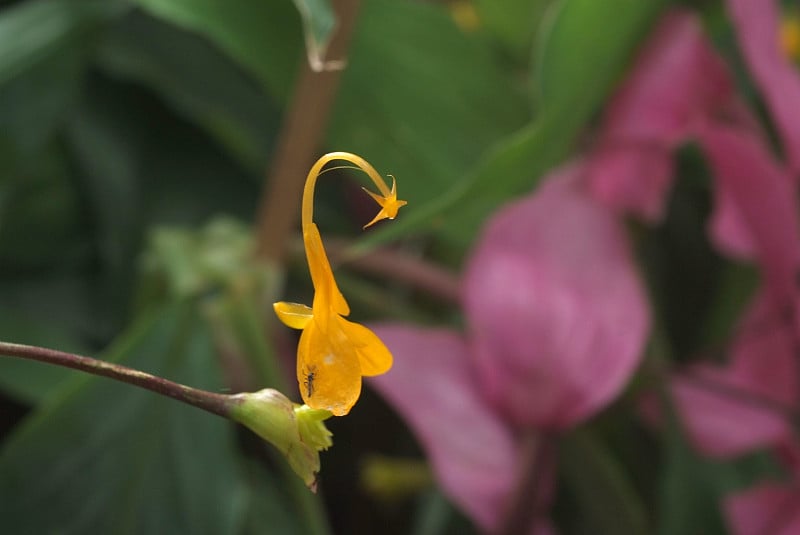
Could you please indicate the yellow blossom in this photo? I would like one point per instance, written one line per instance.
(333, 353)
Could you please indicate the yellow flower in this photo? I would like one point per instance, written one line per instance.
(388, 202)
(333, 353)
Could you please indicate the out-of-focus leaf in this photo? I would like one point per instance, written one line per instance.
(32, 30)
(35, 103)
(607, 500)
(420, 99)
(263, 37)
(318, 23)
(691, 489)
(584, 51)
(107, 154)
(209, 89)
(102, 457)
(40, 214)
(513, 22)
(186, 178)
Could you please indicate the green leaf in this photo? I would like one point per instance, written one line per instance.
(104, 457)
(107, 156)
(263, 37)
(513, 22)
(318, 23)
(585, 50)
(40, 214)
(209, 90)
(606, 498)
(421, 100)
(35, 103)
(31, 31)
(692, 488)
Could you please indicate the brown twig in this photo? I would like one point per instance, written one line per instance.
(399, 266)
(301, 136)
(209, 401)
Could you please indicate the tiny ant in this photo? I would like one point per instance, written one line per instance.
(309, 381)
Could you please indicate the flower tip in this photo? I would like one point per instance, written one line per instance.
(389, 204)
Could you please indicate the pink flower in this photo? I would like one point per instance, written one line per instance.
(761, 192)
(757, 23)
(768, 508)
(676, 82)
(474, 454)
(556, 324)
(680, 90)
(742, 406)
(547, 292)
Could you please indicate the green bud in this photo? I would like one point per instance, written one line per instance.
(297, 431)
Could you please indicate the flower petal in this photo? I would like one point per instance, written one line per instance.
(433, 388)
(677, 77)
(632, 177)
(756, 22)
(720, 406)
(294, 315)
(328, 369)
(372, 353)
(677, 80)
(767, 508)
(325, 287)
(764, 196)
(558, 317)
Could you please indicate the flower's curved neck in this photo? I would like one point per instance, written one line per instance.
(316, 170)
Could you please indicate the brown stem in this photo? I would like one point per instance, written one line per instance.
(524, 505)
(399, 266)
(209, 401)
(302, 133)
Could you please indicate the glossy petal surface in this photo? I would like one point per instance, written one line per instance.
(333, 353)
(294, 315)
(328, 367)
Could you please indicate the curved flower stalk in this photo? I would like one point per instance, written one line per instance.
(333, 353)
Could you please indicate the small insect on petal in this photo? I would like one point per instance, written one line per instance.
(308, 383)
